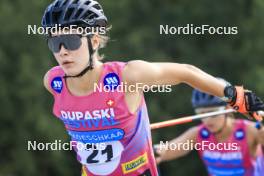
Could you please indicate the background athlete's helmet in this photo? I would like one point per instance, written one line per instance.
(203, 100)
(87, 13)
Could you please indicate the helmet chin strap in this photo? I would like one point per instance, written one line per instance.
(90, 62)
(222, 128)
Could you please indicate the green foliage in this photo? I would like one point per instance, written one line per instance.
(26, 108)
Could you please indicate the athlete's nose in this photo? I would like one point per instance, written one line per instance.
(63, 51)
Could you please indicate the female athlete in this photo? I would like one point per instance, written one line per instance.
(113, 125)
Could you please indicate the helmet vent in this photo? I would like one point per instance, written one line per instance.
(92, 16)
(197, 97)
(97, 6)
(65, 2)
(75, 2)
(211, 97)
(68, 14)
(87, 3)
(78, 13)
(56, 16)
(57, 4)
(89, 15)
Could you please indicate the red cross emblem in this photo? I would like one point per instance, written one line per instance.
(110, 103)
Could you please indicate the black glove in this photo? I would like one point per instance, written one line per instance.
(253, 103)
(244, 101)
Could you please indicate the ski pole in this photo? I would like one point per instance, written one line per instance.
(188, 119)
(192, 118)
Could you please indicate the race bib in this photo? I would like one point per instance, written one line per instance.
(101, 155)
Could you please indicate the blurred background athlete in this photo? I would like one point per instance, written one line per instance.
(239, 139)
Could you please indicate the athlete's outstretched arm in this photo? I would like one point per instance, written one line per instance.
(171, 74)
(175, 147)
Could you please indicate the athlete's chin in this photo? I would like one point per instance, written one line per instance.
(211, 128)
(70, 71)
(215, 130)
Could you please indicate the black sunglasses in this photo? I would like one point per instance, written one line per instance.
(69, 41)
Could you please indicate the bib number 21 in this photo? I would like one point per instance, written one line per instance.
(108, 151)
(106, 154)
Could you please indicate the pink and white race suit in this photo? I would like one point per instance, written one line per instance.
(229, 159)
(117, 142)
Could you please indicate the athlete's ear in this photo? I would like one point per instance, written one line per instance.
(95, 41)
